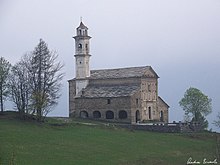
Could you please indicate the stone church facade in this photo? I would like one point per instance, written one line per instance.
(127, 95)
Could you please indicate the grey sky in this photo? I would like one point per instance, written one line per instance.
(179, 39)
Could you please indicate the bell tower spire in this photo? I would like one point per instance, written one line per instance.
(82, 56)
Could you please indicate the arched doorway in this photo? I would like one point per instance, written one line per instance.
(122, 114)
(84, 114)
(161, 116)
(109, 115)
(137, 116)
(96, 114)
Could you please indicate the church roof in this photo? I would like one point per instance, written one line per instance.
(145, 71)
(93, 91)
(82, 26)
(160, 99)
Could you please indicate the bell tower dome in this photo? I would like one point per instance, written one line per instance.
(82, 57)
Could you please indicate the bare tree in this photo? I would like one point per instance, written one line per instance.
(4, 73)
(35, 82)
(20, 86)
(45, 78)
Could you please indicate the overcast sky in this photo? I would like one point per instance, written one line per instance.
(179, 39)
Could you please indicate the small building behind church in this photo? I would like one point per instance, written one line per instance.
(126, 95)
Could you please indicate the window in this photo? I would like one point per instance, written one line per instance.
(161, 116)
(149, 112)
(108, 101)
(109, 115)
(96, 114)
(148, 88)
(122, 114)
(83, 91)
(84, 114)
(80, 46)
(136, 101)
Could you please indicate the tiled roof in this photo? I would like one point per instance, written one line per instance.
(160, 99)
(144, 71)
(123, 73)
(93, 91)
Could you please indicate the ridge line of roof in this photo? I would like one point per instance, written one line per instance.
(123, 68)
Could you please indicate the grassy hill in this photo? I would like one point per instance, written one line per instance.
(56, 143)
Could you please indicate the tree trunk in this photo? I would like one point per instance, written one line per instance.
(1, 102)
(196, 116)
(1, 105)
(39, 115)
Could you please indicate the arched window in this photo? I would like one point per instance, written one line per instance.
(80, 46)
(149, 87)
(149, 112)
(122, 114)
(109, 115)
(108, 101)
(96, 114)
(84, 114)
(80, 32)
(161, 116)
(137, 101)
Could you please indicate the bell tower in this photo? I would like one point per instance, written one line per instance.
(82, 57)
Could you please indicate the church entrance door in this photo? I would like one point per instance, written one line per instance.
(137, 116)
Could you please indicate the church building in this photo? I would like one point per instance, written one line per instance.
(126, 95)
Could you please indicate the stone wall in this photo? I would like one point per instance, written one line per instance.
(165, 128)
(154, 128)
(149, 89)
(163, 111)
(137, 106)
(72, 94)
(92, 107)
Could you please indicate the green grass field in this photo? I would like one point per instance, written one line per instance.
(27, 143)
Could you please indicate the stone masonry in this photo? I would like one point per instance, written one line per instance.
(126, 95)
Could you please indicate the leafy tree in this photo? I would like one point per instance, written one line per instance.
(197, 104)
(201, 120)
(4, 73)
(45, 79)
